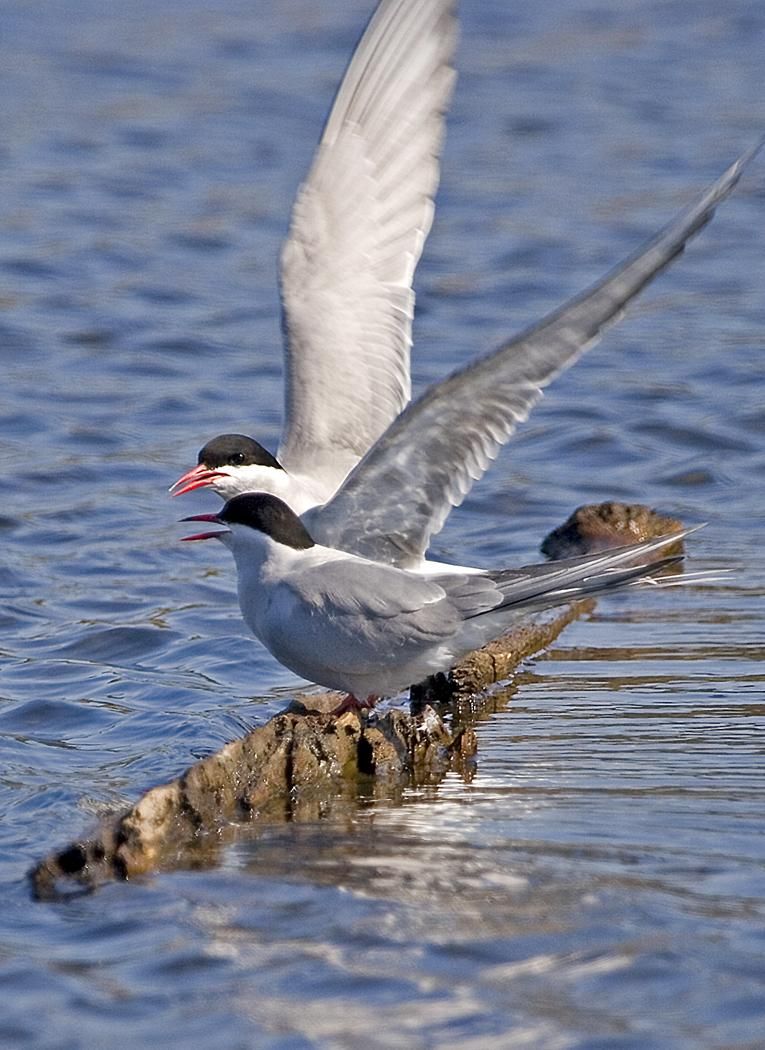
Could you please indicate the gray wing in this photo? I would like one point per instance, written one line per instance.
(542, 585)
(400, 494)
(378, 604)
(358, 229)
(373, 591)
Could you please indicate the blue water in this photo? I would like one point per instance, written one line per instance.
(601, 882)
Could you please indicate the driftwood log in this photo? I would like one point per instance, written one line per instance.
(597, 526)
(301, 761)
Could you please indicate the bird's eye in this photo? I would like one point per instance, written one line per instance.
(236, 459)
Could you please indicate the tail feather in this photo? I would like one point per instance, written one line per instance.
(610, 580)
(540, 586)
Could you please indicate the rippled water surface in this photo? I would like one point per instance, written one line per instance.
(601, 881)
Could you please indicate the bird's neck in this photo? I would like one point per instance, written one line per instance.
(258, 478)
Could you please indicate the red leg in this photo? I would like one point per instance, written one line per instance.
(350, 703)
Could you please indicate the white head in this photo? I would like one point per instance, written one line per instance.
(231, 464)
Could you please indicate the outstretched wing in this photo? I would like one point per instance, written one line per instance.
(358, 228)
(400, 494)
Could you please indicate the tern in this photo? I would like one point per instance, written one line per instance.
(441, 443)
(358, 227)
(357, 232)
(352, 624)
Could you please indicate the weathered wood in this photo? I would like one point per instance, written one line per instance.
(597, 526)
(288, 764)
(298, 762)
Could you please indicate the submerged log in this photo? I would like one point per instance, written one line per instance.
(597, 526)
(298, 763)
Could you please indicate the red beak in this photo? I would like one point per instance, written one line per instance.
(203, 535)
(196, 478)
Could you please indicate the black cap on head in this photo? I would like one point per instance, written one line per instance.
(235, 450)
(270, 515)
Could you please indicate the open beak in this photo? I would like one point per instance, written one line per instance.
(196, 478)
(204, 535)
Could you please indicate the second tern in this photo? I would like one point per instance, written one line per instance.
(357, 232)
(371, 630)
(440, 444)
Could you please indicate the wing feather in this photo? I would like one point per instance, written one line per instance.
(358, 228)
(400, 494)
